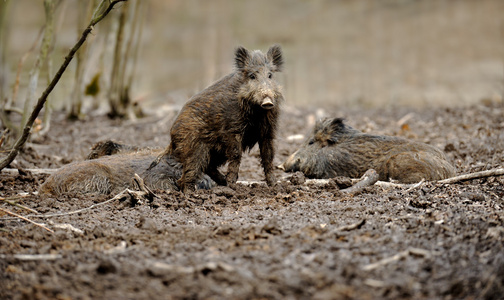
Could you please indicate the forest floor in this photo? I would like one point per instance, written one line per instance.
(291, 241)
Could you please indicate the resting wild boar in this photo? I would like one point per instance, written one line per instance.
(228, 118)
(336, 149)
(111, 169)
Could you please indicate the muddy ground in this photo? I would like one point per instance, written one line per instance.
(432, 241)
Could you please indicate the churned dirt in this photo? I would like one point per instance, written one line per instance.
(291, 241)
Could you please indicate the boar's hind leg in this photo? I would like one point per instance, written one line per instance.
(408, 167)
(193, 168)
(234, 155)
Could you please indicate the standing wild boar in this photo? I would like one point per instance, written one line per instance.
(336, 149)
(111, 168)
(229, 117)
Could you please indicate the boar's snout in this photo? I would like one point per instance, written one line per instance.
(267, 103)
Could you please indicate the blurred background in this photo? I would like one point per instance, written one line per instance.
(345, 53)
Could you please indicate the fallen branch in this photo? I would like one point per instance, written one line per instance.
(351, 226)
(416, 185)
(475, 175)
(8, 201)
(159, 268)
(149, 194)
(28, 220)
(251, 182)
(396, 257)
(375, 283)
(322, 182)
(33, 256)
(369, 178)
(388, 184)
(67, 227)
(14, 172)
(117, 249)
(116, 197)
(386, 261)
(99, 14)
(318, 181)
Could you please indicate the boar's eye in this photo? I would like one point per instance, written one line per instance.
(311, 141)
(252, 76)
(270, 75)
(332, 141)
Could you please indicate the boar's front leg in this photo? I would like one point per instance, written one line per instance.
(267, 152)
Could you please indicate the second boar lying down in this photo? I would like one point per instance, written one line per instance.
(111, 168)
(336, 149)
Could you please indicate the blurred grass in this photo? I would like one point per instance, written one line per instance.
(338, 53)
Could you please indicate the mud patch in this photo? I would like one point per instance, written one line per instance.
(294, 240)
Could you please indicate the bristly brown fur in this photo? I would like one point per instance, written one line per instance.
(229, 117)
(111, 168)
(336, 149)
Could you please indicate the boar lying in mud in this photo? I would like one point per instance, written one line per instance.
(336, 149)
(111, 168)
(228, 118)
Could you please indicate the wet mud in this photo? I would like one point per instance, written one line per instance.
(295, 240)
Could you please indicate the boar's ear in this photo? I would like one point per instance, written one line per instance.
(275, 55)
(337, 124)
(241, 57)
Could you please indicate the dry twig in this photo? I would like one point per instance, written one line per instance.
(369, 178)
(68, 227)
(116, 197)
(26, 219)
(351, 226)
(8, 201)
(141, 185)
(396, 257)
(14, 172)
(34, 256)
(475, 175)
(416, 185)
